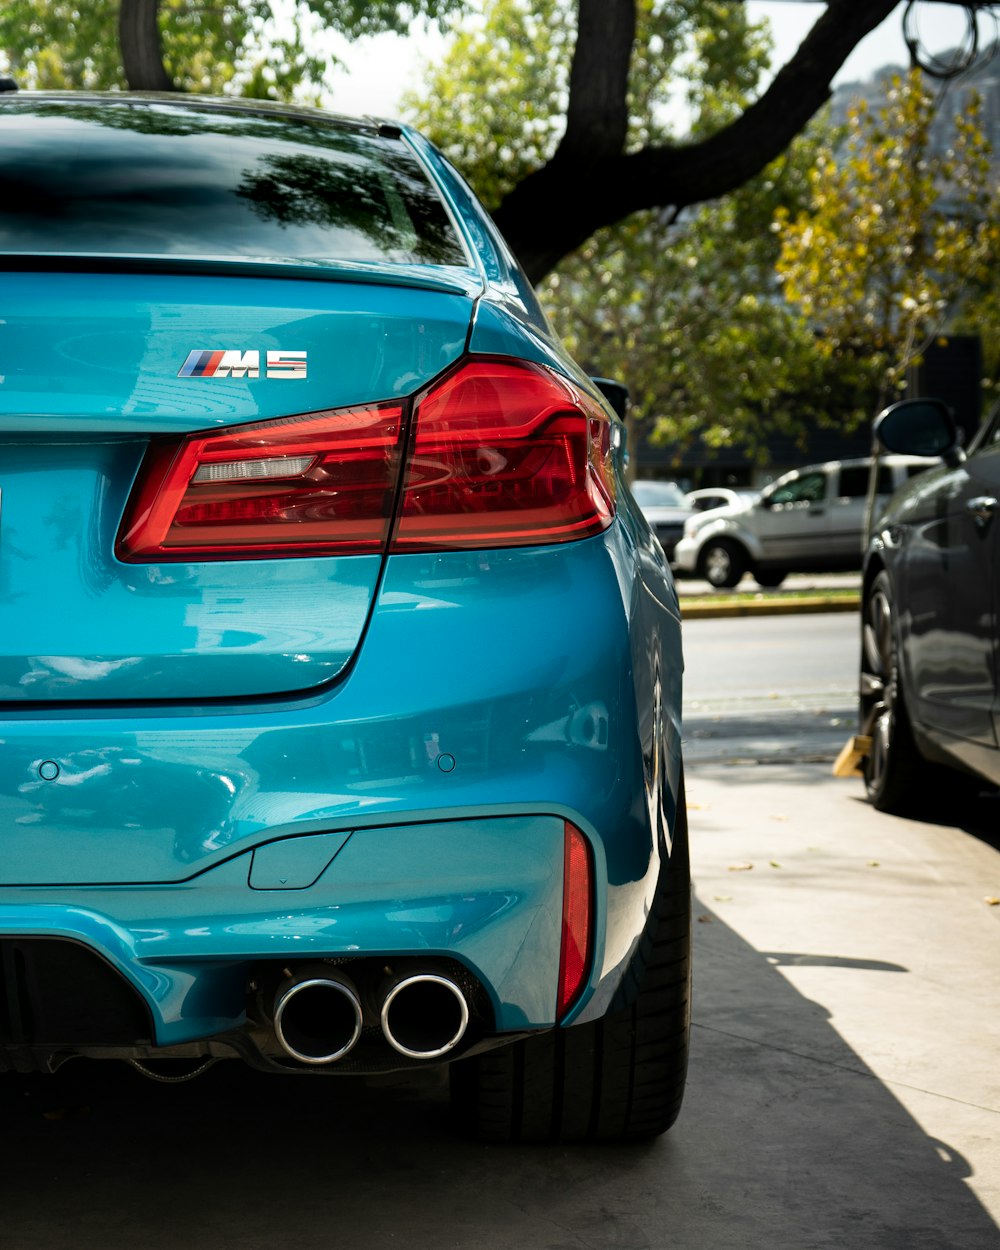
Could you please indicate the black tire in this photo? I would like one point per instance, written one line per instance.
(722, 563)
(896, 775)
(769, 578)
(619, 1078)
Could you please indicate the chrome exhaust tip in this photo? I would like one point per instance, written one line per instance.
(317, 1017)
(424, 1015)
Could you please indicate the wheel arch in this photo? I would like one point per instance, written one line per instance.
(747, 542)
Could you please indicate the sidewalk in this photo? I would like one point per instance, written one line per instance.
(845, 1030)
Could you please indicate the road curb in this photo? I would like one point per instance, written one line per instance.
(768, 607)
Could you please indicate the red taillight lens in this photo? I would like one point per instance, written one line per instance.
(320, 484)
(505, 454)
(574, 951)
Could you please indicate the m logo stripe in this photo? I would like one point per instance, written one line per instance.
(189, 367)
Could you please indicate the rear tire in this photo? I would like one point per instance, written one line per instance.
(722, 563)
(619, 1078)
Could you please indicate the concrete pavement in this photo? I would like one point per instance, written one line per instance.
(846, 1015)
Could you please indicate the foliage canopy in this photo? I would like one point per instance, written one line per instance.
(232, 45)
(685, 306)
(898, 234)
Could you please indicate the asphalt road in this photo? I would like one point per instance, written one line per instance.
(759, 688)
(844, 1091)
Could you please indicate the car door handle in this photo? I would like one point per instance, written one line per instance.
(982, 508)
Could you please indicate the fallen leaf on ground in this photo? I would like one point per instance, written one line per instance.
(774, 816)
(775, 864)
(706, 919)
(722, 898)
(740, 867)
(992, 901)
(873, 863)
(66, 1113)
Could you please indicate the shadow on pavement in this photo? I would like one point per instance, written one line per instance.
(961, 806)
(787, 1141)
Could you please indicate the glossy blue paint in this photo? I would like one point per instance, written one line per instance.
(519, 664)
(98, 354)
(76, 624)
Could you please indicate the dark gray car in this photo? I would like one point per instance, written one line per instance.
(929, 612)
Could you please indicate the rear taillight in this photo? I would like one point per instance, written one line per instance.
(321, 484)
(502, 453)
(505, 454)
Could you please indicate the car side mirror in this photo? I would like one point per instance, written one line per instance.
(918, 427)
(616, 393)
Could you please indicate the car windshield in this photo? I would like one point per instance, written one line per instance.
(151, 179)
(658, 494)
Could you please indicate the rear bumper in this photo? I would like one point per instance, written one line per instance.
(484, 892)
(417, 807)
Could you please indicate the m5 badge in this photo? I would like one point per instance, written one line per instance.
(237, 364)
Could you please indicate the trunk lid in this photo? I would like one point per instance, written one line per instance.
(91, 368)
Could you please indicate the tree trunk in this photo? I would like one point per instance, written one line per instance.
(142, 51)
(591, 182)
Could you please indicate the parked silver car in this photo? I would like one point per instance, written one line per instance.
(810, 521)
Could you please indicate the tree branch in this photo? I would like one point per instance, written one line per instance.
(584, 187)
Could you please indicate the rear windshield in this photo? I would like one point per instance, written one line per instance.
(137, 178)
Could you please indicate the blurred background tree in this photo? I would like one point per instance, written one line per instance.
(603, 134)
(899, 240)
(685, 305)
(235, 46)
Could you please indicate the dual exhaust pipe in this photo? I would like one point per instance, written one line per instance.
(318, 1015)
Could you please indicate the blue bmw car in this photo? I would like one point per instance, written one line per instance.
(340, 672)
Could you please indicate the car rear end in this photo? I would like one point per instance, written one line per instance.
(326, 657)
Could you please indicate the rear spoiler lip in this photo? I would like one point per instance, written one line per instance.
(450, 280)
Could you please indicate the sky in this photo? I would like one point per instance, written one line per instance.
(380, 69)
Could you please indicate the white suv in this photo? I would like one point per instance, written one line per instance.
(809, 521)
